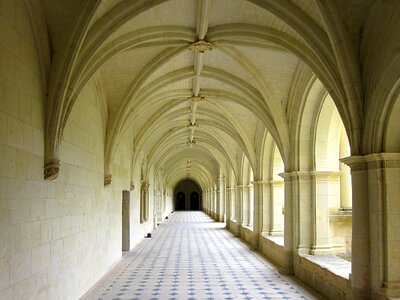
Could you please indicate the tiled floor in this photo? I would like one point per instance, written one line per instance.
(192, 257)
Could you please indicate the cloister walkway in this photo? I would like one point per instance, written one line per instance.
(192, 257)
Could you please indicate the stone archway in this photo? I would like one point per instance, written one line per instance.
(194, 201)
(187, 195)
(180, 201)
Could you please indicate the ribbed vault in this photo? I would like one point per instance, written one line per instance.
(201, 81)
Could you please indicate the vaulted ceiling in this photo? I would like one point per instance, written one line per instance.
(196, 82)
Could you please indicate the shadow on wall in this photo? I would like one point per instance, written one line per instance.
(187, 195)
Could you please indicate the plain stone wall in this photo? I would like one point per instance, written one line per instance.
(340, 228)
(57, 238)
(272, 250)
(321, 279)
(30, 255)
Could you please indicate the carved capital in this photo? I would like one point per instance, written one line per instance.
(51, 169)
(132, 186)
(201, 46)
(355, 162)
(107, 179)
(196, 99)
(383, 160)
(145, 186)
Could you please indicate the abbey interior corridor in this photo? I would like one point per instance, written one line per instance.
(249, 149)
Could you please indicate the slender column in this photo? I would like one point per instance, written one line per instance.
(259, 192)
(239, 208)
(345, 176)
(208, 202)
(299, 193)
(204, 197)
(267, 208)
(360, 264)
(291, 226)
(233, 202)
(277, 195)
(211, 202)
(376, 223)
(326, 186)
(384, 185)
(220, 209)
(250, 214)
(229, 192)
(214, 201)
(217, 203)
(245, 199)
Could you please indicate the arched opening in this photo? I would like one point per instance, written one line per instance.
(277, 195)
(180, 200)
(194, 201)
(333, 217)
(187, 195)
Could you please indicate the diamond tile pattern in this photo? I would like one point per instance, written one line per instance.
(192, 257)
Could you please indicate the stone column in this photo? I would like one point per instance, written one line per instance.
(250, 214)
(215, 202)
(298, 216)
(229, 197)
(220, 200)
(245, 200)
(239, 208)
(208, 203)
(345, 176)
(292, 223)
(267, 208)
(360, 265)
(384, 185)
(233, 202)
(376, 225)
(260, 192)
(230, 208)
(326, 186)
(276, 209)
(211, 201)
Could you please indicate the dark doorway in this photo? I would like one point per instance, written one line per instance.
(187, 195)
(180, 201)
(194, 201)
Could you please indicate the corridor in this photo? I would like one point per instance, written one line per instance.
(192, 257)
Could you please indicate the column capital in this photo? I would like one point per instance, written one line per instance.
(51, 168)
(296, 175)
(355, 162)
(372, 161)
(107, 179)
(243, 186)
(257, 183)
(326, 175)
(277, 183)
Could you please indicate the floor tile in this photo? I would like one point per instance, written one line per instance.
(191, 257)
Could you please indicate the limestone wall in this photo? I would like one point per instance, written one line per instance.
(33, 241)
(57, 238)
(340, 228)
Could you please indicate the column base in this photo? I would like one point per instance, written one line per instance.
(391, 289)
(322, 250)
(219, 218)
(287, 267)
(275, 232)
(303, 249)
(358, 294)
(237, 232)
(256, 241)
